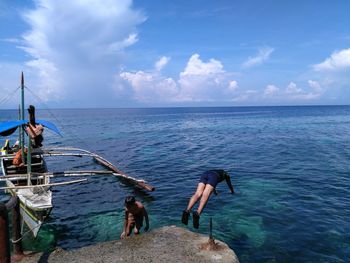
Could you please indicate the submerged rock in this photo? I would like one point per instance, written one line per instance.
(166, 244)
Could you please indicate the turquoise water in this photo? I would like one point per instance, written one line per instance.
(289, 165)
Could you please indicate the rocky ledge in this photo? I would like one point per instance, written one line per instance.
(167, 244)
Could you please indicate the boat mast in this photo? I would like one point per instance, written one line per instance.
(20, 129)
(29, 154)
(21, 112)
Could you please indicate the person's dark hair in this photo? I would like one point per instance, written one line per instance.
(129, 200)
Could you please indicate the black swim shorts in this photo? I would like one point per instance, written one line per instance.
(210, 177)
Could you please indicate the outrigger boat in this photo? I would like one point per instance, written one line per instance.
(30, 180)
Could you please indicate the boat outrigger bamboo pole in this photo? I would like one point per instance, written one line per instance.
(42, 185)
(121, 174)
(99, 159)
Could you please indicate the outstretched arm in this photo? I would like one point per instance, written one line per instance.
(228, 181)
(125, 230)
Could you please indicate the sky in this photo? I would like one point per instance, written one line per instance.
(166, 53)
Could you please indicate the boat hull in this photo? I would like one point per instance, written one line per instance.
(35, 203)
(32, 218)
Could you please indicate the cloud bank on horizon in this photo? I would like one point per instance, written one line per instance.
(77, 52)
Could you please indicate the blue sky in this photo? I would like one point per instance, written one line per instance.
(175, 53)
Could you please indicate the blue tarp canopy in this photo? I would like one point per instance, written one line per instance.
(49, 125)
(9, 127)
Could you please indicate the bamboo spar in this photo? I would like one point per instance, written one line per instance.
(42, 185)
(119, 173)
(57, 174)
(101, 161)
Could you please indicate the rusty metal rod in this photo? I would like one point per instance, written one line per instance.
(211, 228)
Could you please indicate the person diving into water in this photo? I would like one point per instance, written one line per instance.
(205, 188)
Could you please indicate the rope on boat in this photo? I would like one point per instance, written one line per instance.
(9, 96)
(77, 138)
(25, 233)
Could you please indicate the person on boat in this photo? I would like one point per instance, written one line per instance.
(35, 134)
(15, 147)
(205, 188)
(34, 130)
(18, 160)
(135, 212)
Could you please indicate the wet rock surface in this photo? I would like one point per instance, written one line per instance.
(166, 244)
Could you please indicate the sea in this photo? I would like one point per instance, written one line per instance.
(290, 167)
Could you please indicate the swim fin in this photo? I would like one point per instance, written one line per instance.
(185, 216)
(195, 220)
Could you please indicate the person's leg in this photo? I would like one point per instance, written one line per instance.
(191, 203)
(138, 224)
(205, 196)
(129, 228)
(196, 196)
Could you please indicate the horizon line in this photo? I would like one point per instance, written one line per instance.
(184, 107)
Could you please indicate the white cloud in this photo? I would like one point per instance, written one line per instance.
(148, 87)
(195, 66)
(333, 74)
(246, 95)
(161, 63)
(199, 81)
(293, 89)
(12, 40)
(77, 46)
(120, 45)
(315, 85)
(233, 85)
(47, 71)
(263, 55)
(293, 92)
(207, 81)
(203, 81)
(337, 61)
(271, 90)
